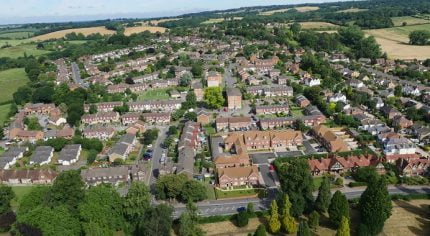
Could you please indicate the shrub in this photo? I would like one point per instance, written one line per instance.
(242, 219)
(356, 184)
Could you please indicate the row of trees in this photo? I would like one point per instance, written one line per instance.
(169, 187)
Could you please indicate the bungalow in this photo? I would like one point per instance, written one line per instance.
(42, 155)
(9, 158)
(238, 176)
(69, 154)
(27, 176)
(111, 175)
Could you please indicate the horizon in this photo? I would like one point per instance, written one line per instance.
(56, 11)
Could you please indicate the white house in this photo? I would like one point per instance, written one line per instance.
(70, 154)
(312, 81)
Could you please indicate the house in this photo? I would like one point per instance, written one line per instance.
(234, 98)
(354, 83)
(70, 154)
(188, 143)
(272, 109)
(197, 87)
(238, 176)
(270, 90)
(283, 122)
(42, 155)
(233, 123)
(398, 146)
(111, 175)
(103, 106)
(390, 112)
(100, 118)
(302, 101)
(415, 167)
(311, 82)
(214, 79)
(401, 122)
(203, 117)
(379, 103)
(162, 106)
(339, 165)
(99, 133)
(119, 151)
(260, 140)
(328, 138)
(138, 127)
(338, 97)
(27, 176)
(9, 158)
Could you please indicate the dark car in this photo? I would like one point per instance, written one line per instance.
(241, 209)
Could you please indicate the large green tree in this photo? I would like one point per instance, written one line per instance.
(214, 98)
(338, 208)
(68, 189)
(323, 200)
(298, 184)
(157, 221)
(343, 229)
(192, 190)
(35, 197)
(303, 229)
(188, 222)
(375, 206)
(6, 195)
(419, 37)
(137, 201)
(274, 224)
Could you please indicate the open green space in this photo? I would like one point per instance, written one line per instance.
(297, 112)
(17, 35)
(154, 94)
(4, 111)
(20, 191)
(21, 50)
(10, 81)
(406, 30)
(236, 193)
(409, 20)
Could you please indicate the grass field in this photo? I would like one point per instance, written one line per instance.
(228, 228)
(10, 81)
(317, 25)
(14, 42)
(20, 50)
(17, 35)
(306, 8)
(139, 29)
(395, 40)
(4, 111)
(352, 10)
(236, 193)
(156, 22)
(154, 94)
(410, 20)
(86, 31)
(20, 191)
(269, 13)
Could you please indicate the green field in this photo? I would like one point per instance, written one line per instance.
(17, 35)
(406, 30)
(20, 191)
(20, 50)
(410, 20)
(154, 94)
(236, 193)
(4, 111)
(10, 81)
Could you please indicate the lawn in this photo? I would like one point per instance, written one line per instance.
(4, 111)
(20, 50)
(236, 193)
(13, 42)
(297, 112)
(209, 129)
(154, 94)
(10, 81)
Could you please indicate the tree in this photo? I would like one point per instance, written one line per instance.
(343, 229)
(398, 91)
(295, 28)
(242, 219)
(365, 174)
(149, 136)
(351, 35)
(303, 229)
(35, 197)
(338, 208)
(288, 222)
(194, 191)
(190, 102)
(296, 180)
(274, 224)
(314, 220)
(419, 37)
(137, 202)
(250, 209)
(192, 116)
(170, 186)
(102, 206)
(261, 231)
(50, 221)
(213, 97)
(22, 95)
(68, 189)
(188, 222)
(93, 109)
(197, 70)
(157, 221)
(375, 206)
(323, 200)
(6, 195)
(185, 80)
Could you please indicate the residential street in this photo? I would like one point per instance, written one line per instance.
(76, 75)
(157, 152)
(226, 207)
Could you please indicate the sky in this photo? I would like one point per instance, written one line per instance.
(30, 11)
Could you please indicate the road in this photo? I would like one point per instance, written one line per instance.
(229, 78)
(227, 207)
(156, 156)
(76, 75)
(392, 77)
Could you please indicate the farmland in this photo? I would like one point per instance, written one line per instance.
(138, 29)
(352, 10)
(85, 31)
(306, 8)
(395, 40)
(4, 110)
(156, 22)
(10, 81)
(269, 13)
(317, 25)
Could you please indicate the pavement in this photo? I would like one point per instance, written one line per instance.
(230, 206)
(156, 156)
(76, 75)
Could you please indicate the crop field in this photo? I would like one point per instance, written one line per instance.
(352, 10)
(10, 81)
(395, 40)
(306, 8)
(156, 22)
(269, 13)
(21, 49)
(140, 29)
(410, 20)
(85, 31)
(317, 25)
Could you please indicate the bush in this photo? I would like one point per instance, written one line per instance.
(356, 184)
(314, 220)
(339, 181)
(415, 180)
(261, 231)
(242, 219)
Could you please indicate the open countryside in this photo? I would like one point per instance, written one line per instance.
(10, 81)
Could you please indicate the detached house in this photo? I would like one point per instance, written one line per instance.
(338, 165)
